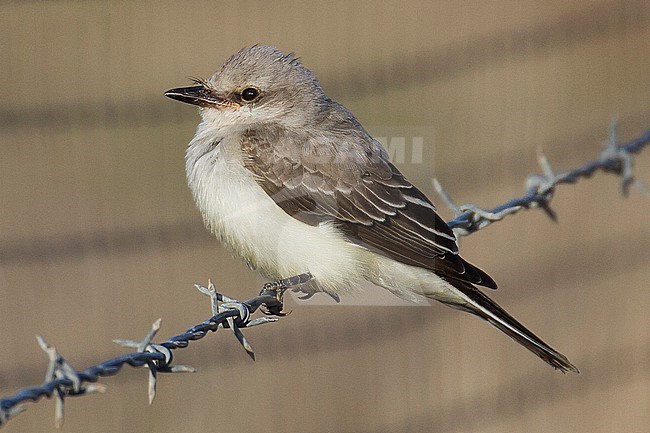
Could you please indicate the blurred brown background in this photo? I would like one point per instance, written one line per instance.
(99, 235)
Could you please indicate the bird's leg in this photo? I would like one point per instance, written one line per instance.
(274, 292)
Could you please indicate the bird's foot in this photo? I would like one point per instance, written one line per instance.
(275, 292)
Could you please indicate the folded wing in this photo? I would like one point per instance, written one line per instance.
(354, 186)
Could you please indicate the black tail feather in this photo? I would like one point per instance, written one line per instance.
(485, 308)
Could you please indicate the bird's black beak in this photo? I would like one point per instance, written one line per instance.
(199, 95)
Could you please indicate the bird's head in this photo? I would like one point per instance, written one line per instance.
(256, 85)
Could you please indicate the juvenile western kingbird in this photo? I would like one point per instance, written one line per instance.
(291, 181)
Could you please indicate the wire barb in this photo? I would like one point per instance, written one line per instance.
(162, 365)
(71, 384)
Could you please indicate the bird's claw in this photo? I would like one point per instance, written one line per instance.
(276, 290)
(275, 305)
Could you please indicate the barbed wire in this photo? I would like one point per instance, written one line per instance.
(614, 158)
(62, 380)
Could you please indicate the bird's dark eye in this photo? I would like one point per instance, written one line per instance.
(250, 94)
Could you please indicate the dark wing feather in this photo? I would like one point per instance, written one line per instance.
(357, 188)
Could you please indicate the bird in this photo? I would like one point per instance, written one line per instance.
(290, 181)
